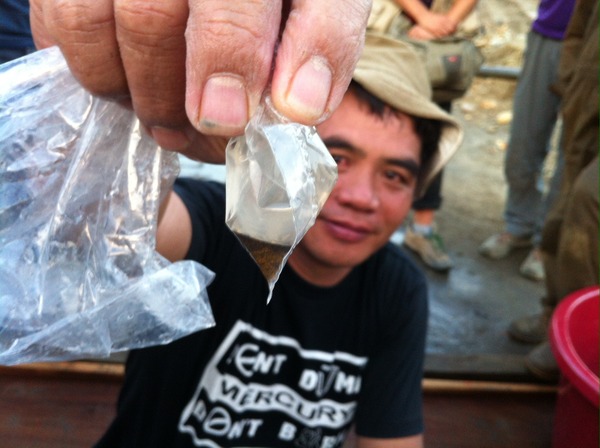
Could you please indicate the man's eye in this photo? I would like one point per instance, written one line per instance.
(339, 159)
(397, 177)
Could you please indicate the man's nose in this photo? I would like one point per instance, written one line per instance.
(358, 191)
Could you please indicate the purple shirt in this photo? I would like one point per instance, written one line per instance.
(553, 17)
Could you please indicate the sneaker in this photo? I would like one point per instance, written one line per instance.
(531, 329)
(533, 266)
(430, 248)
(501, 244)
(541, 362)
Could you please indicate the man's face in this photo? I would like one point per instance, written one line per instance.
(378, 160)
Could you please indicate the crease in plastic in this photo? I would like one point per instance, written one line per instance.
(80, 188)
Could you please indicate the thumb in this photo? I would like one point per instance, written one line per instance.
(320, 46)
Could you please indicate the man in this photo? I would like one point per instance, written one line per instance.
(342, 341)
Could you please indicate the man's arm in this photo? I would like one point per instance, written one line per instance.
(460, 10)
(436, 23)
(174, 234)
(400, 442)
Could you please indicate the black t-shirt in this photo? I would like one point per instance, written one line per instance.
(296, 372)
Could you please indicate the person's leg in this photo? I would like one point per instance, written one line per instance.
(578, 247)
(421, 235)
(432, 198)
(573, 267)
(535, 112)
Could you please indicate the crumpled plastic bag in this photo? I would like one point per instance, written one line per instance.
(279, 175)
(80, 187)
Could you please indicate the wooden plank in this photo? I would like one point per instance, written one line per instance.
(488, 419)
(52, 412)
(485, 367)
(81, 369)
(64, 405)
(433, 385)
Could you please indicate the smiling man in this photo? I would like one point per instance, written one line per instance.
(341, 343)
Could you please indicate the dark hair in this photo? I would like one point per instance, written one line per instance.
(428, 130)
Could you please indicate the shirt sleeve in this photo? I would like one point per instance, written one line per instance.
(205, 202)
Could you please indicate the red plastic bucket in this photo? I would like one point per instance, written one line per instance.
(574, 338)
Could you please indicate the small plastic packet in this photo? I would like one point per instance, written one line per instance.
(279, 175)
(80, 188)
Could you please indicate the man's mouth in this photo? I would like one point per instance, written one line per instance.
(347, 231)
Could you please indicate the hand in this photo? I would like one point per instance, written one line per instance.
(419, 33)
(202, 68)
(438, 25)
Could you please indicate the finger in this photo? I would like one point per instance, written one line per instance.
(229, 52)
(41, 36)
(85, 32)
(320, 46)
(151, 37)
(206, 148)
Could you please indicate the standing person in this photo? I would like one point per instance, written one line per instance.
(535, 113)
(342, 341)
(15, 31)
(426, 20)
(570, 234)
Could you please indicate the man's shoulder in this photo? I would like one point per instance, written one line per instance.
(393, 270)
(392, 258)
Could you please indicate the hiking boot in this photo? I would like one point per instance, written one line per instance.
(501, 244)
(430, 248)
(533, 266)
(541, 362)
(531, 329)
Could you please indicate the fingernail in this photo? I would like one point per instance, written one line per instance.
(170, 139)
(309, 91)
(224, 106)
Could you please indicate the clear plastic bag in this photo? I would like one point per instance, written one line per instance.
(80, 187)
(279, 175)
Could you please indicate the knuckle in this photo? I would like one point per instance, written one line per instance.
(72, 21)
(239, 20)
(236, 39)
(142, 20)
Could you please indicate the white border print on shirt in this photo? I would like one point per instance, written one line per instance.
(260, 388)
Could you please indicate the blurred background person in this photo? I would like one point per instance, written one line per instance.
(535, 115)
(428, 20)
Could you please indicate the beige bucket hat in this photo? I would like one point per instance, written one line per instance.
(394, 73)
